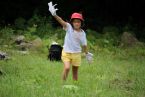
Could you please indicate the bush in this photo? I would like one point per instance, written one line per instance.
(44, 30)
(111, 36)
(40, 26)
(35, 20)
(30, 31)
(20, 23)
(5, 35)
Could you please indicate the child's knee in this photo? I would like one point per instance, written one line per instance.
(67, 68)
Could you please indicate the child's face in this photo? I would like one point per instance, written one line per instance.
(76, 23)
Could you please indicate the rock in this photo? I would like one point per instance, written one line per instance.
(1, 73)
(19, 39)
(3, 56)
(37, 43)
(128, 40)
(24, 45)
(20, 42)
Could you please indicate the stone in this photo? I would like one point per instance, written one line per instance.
(3, 56)
(37, 43)
(129, 40)
(19, 39)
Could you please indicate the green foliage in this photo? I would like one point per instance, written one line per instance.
(143, 35)
(111, 35)
(40, 26)
(29, 32)
(44, 30)
(108, 39)
(5, 35)
(92, 38)
(37, 25)
(57, 36)
(20, 23)
(35, 20)
(112, 29)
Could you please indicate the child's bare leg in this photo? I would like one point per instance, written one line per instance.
(66, 70)
(75, 72)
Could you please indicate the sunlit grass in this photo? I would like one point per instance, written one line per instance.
(117, 74)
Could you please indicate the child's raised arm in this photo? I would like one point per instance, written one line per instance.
(53, 10)
(61, 21)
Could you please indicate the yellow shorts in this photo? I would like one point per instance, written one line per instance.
(73, 58)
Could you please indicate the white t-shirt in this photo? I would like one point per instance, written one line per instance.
(74, 40)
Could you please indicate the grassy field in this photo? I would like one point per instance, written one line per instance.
(120, 73)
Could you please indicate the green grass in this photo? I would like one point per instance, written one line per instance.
(112, 74)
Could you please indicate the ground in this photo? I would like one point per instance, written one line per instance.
(112, 74)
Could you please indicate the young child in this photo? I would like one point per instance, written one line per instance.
(75, 38)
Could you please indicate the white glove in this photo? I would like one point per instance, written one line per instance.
(52, 8)
(89, 57)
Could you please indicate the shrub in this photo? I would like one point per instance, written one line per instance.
(40, 26)
(20, 23)
(5, 35)
(35, 20)
(92, 38)
(44, 30)
(111, 36)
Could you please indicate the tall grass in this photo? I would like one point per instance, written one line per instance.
(110, 75)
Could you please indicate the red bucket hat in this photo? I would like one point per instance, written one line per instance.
(77, 16)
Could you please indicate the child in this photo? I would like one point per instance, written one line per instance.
(75, 38)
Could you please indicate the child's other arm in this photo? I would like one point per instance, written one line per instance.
(85, 49)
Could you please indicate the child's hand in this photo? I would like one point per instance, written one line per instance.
(52, 8)
(89, 57)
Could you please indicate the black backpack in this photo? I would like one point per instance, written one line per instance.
(55, 52)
